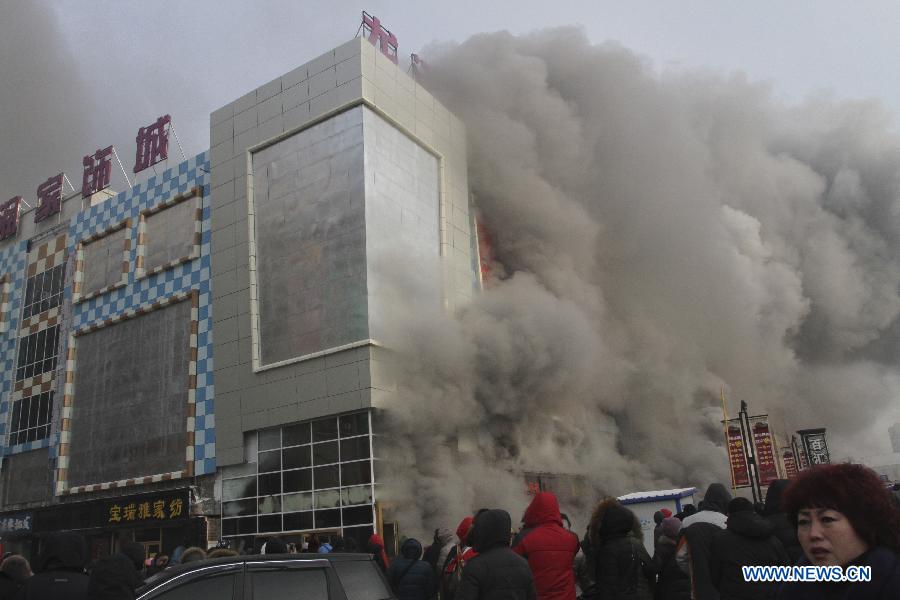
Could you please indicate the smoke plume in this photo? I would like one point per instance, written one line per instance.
(658, 235)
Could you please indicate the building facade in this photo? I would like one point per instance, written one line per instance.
(200, 357)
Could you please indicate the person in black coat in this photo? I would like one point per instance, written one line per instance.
(497, 573)
(14, 572)
(624, 569)
(774, 514)
(673, 583)
(60, 570)
(411, 578)
(747, 540)
(116, 577)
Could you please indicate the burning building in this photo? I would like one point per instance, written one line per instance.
(199, 357)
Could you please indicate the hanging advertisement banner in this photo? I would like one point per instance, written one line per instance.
(737, 455)
(766, 462)
(815, 446)
(790, 463)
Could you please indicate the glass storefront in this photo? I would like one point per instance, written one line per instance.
(314, 475)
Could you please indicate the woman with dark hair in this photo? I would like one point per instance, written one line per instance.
(624, 569)
(844, 516)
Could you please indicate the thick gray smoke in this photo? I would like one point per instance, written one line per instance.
(658, 235)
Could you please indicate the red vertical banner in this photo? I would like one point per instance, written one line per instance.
(766, 463)
(790, 463)
(737, 455)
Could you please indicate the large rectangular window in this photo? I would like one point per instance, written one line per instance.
(129, 411)
(37, 353)
(103, 260)
(31, 418)
(43, 291)
(310, 475)
(170, 235)
(308, 203)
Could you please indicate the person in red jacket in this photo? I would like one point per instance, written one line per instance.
(549, 548)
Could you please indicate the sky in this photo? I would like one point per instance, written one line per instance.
(750, 149)
(91, 74)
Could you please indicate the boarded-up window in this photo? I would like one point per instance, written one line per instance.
(26, 477)
(131, 391)
(103, 258)
(309, 207)
(169, 235)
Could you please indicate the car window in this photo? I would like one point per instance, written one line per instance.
(361, 580)
(290, 584)
(220, 587)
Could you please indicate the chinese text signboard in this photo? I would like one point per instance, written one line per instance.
(97, 171)
(766, 463)
(790, 463)
(146, 508)
(815, 446)
(379, 36)
(152, 144)
(15, 523)
(49, 195)
(740, 476)
(9, 217)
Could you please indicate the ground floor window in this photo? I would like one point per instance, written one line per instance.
(313, 475)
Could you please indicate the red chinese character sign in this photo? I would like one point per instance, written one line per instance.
(766, 464)
(790, 463)
(97, 172)
(9, 217)
(737, 455)
(152, 144)
(379, 36)
(49, 195)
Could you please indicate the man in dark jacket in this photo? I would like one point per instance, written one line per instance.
(673, 583)
(60, 570)
(549, 549)
(697, 533)
(116, 577)
(773, 513)
(14, 572)
(497, 573)
(747, 540)
(411, 578)
(624, 569)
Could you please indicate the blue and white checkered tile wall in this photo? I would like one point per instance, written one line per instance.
(188, 276)
(12, 264)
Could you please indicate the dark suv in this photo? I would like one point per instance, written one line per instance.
(271, 576)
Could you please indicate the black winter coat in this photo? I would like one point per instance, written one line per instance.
(747, 540)
(497, 573)
(784, 531)
(411, 578)
(787, 535)
(624, 569)
(885, 584)
(60, 570)
(672, 583)
(8, 587)
(114, 578)
(698, 537)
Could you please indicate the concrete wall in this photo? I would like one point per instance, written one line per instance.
(249, 398)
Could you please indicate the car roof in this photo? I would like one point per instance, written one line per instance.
(179, 569)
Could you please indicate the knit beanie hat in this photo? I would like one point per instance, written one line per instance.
(670, 526)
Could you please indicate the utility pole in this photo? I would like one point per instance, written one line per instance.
(747, 437)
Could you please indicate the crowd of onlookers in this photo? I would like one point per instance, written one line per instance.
(832, 515)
